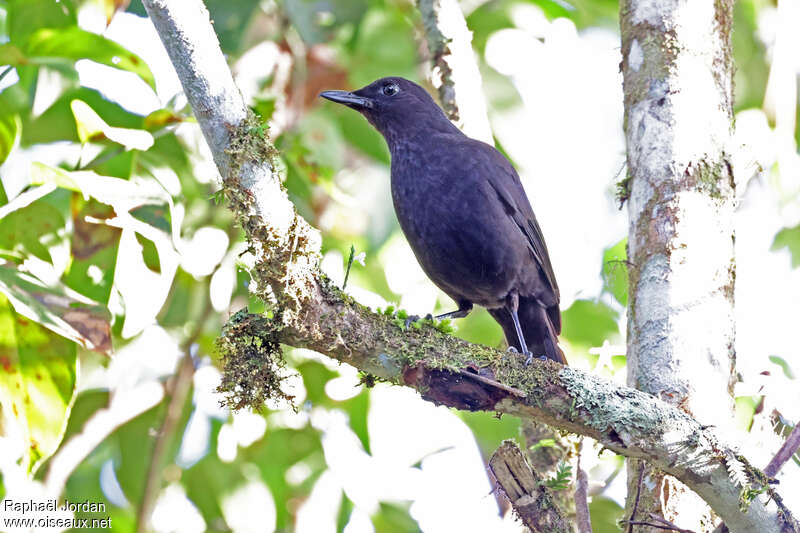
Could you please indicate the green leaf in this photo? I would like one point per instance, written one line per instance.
(605, 514)
(11, 55)
(26, 16)
(750, 57)
(615, 271)
(543, 443)
(385, 47)
(480, 327)
(315, 377)
(15, 99)
(77, 320)
(359, 133)
(121, 194)
(357, 409)
(155, 215)
(73, 43)
(264, 107)
(345, 511)
(489, 430)
(160, 118)
(784, 364)
(394, 518)
(149, 253)
(209, 480)
(744, 410)
(231, 18)
(34, 223)
(57, 123)
(94, 250)
(589, 323)
(84, 484)
(561, 479)
(91, 127)
(274, 454)
(316, 20)
(86, 404)
(37, 382)
(789, 238)
(10, 127)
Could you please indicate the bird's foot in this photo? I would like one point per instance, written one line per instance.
(413, 318)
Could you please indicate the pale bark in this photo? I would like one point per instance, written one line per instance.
(309, 312)
(677, 69)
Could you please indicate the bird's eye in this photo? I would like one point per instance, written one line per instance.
(390, 90)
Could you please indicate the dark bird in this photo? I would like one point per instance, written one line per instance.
(462, 208)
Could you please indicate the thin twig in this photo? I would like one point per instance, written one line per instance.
(659, 523)
(584, 519)
(6, 71)
(789, 448)
(349, 266)
(636, 500)
(657, 526)
(492, 383)
(180, 392)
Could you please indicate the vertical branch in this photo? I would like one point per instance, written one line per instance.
(182, 386)
(677, 67)
(455, 72)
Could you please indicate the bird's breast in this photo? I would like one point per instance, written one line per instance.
(458, 235)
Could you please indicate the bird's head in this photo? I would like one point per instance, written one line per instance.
(395, 106)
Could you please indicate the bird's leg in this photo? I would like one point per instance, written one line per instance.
(463, 310)
(512, 305)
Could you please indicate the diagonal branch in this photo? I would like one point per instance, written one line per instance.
(528, 495)
(308, 311)
(786, 452)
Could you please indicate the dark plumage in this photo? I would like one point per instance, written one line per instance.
(464, 212)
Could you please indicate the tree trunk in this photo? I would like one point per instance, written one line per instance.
(677, 66)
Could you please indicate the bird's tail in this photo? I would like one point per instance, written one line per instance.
(540, 326)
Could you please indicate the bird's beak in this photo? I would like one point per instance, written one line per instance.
(349, 99)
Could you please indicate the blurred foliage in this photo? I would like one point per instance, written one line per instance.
(789, 239)
(109, 234)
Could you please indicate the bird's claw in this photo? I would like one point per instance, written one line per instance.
(529, 355)
(530, 358)
(413, 318)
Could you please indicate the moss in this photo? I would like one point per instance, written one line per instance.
(706, 176)
(285, 261)
(253, 363)
(624, 189)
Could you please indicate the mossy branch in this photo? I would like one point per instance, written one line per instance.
(309, 311)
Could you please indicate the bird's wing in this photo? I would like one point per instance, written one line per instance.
(509, 189)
